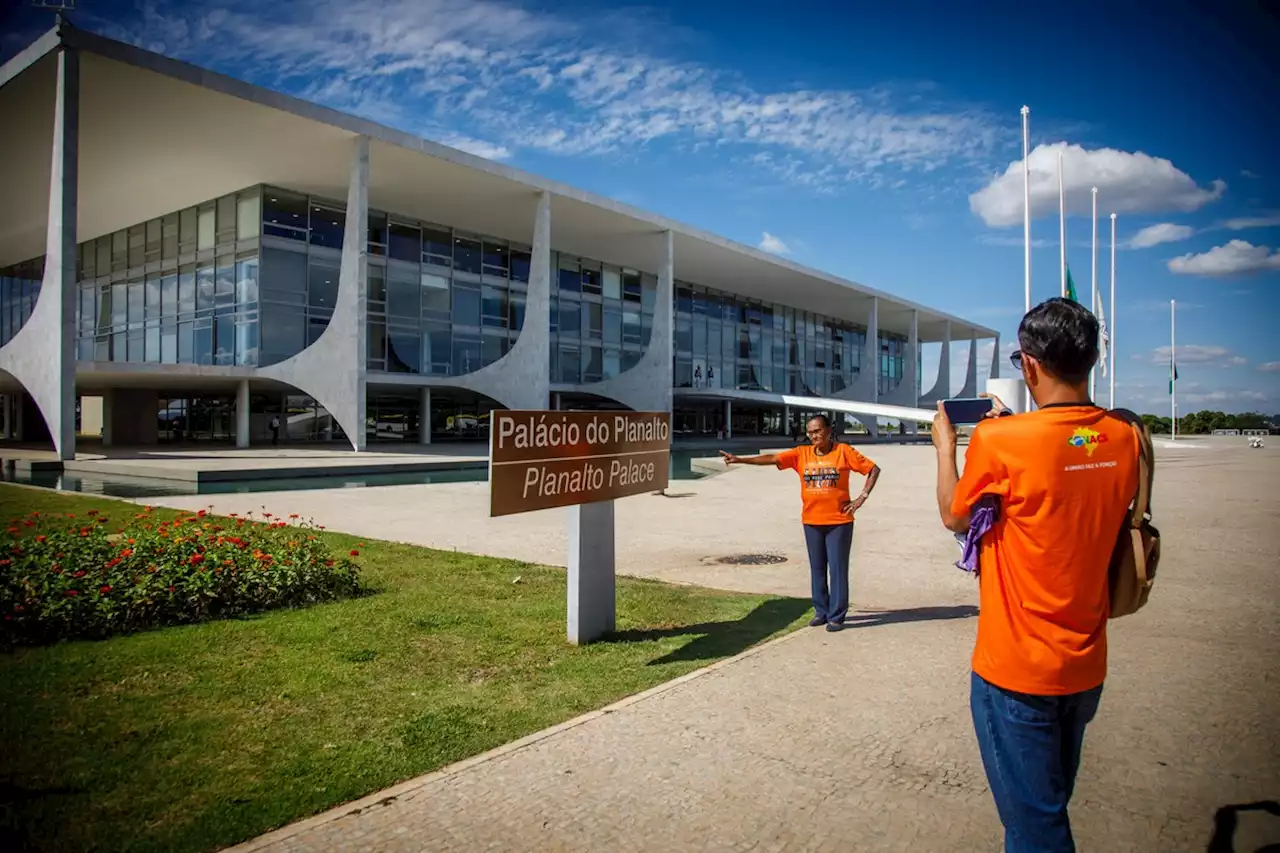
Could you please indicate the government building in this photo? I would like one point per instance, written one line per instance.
(187, 257)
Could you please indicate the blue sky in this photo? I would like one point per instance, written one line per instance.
(880, 142)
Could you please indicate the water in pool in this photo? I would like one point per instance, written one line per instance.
(135, 487)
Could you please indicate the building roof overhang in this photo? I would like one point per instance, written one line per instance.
(158, 134)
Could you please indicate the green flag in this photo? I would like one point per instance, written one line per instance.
(1173, 372)
(1071, 286)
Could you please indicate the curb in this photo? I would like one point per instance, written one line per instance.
(384, 796)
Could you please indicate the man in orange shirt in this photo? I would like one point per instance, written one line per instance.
(824, 466)
(1063, 477)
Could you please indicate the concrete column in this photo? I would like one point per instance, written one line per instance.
(1012, 392)
(592, 602)
(242, 413)
(41, 356)
(90, 415)
(333, 369)
(942, 388)
(996, 358)
(424, 416)
(970, 386)
(728, 419)
(786, 420)
(556, 401)
(7, 401)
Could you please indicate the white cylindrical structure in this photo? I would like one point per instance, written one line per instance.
(1062, 228)
(1093, 304)
(1173, 369)
(1111, 345)
(1012, 392)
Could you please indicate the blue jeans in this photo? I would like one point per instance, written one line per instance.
(829, 546)
(1031, 751)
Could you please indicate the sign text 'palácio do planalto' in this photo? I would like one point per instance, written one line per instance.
(540, 460)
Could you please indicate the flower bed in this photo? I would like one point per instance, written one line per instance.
(63, 576)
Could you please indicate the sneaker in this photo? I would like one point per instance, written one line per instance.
(834, 626)
(817, 620)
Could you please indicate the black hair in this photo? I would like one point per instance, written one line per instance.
(1062, 335)
(826, 421)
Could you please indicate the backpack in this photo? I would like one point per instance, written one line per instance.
(1137, 551)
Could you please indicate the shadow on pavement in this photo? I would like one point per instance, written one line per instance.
(721, 639)
(871, 618)
(1226, 820)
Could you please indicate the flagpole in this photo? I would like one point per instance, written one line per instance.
(1093, 306)
(1026, 224)
(1173, 369)
(1111, 346)
(1026, 205)
(1062, 228)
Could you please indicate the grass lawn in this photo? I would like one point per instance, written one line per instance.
(193, 738)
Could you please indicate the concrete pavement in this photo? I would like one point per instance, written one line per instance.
(859, 740)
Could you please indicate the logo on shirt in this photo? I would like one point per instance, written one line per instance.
(1088, 439)
(821, 477)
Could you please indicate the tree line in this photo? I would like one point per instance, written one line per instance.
(1205, 422)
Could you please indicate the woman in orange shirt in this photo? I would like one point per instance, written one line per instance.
(824, 466)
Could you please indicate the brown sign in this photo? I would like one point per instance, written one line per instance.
(541, 460)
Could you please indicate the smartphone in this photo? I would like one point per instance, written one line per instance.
(966, 411)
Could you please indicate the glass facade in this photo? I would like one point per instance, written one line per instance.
(725, 341)
(251, 279)
(19, 289)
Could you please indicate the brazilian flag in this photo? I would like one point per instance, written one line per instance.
(1071, 286)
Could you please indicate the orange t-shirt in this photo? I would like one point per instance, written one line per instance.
(824, 480)
(1065, 477)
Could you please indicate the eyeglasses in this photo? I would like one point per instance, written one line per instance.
(818, 431)
(1015, 358)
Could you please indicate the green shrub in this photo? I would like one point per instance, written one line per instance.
(63, 577)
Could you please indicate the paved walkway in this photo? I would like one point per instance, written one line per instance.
(861, 740)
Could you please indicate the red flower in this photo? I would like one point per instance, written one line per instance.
(41, 538)
(329, 563)
(133, 541)
(5, 562)
(104, 590)
(15, 531)
(79, 574)
(127, 552)
(196, 558)
(293, 515)
(171, 589)
(201, 514)
(91, 512)
(28, 524)
(84, 531)
(71, 593)
(355, 553)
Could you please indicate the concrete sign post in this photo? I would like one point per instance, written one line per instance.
(581, 460)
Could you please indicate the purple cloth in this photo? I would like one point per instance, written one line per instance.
(982, 517)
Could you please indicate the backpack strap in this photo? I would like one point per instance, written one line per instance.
(1140, 512)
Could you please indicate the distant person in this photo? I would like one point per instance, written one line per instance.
(275, 430)
(827, 516)
(1062, 478)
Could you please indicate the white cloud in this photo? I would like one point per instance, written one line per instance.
(478, 147)
(1198, 354)
(1227, 396)
(1242, 223)
(1270, 367)
(1246, 173)
(773, 245)
(1127, 183)
(491, 70)
(1234, 258)
(1164, 232)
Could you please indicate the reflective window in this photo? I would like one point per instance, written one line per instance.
(466, 255)
(284, 214)
(466, 306)
(435, 297)
(406, 242)
(248, 215)
(322, 283)
(206, 230)
(327, 226)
